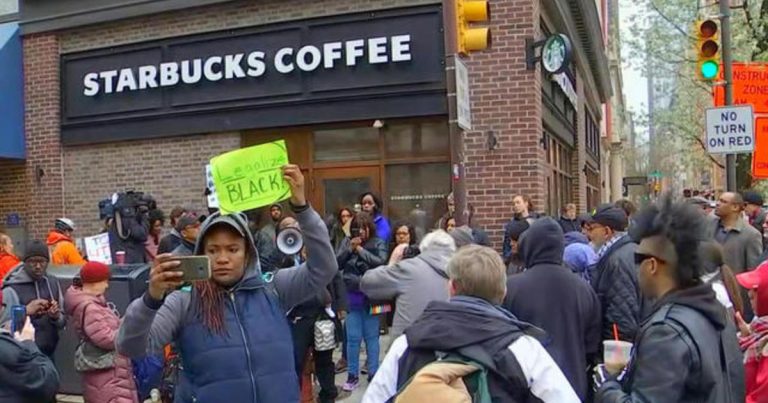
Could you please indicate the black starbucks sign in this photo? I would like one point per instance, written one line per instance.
(358, 66)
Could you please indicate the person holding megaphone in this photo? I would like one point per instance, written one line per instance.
(311, 319)
(231, 331)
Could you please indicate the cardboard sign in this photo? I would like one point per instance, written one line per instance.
(213, 198)
(750, 86)
(97, 248)
(760, 156)
(251, 177)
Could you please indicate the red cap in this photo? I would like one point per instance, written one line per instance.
(94, 272)
(757, 280)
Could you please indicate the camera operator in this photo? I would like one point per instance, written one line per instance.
(130, 228)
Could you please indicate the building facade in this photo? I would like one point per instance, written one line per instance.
(142, 95)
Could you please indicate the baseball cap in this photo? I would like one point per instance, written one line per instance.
(610, 216)
(757, 278)
(753, 197)
(186, 221)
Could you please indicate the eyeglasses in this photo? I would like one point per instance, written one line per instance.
(641, 257)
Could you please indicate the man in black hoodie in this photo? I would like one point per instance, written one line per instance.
(26, 374)
(686, 350)
(572, 319)
(473, 325)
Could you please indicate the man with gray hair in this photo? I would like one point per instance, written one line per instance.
(473, 325)
(414, 282)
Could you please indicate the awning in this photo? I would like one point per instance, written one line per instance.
(11, 93)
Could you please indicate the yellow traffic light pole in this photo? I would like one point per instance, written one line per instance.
(725, 25)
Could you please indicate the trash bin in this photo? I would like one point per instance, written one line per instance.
(128, 282)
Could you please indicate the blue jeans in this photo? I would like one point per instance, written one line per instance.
(362, 325)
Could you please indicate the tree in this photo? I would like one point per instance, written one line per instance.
(664, 50)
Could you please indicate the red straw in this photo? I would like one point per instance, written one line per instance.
(615, 332)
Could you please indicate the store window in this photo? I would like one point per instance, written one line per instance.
(592, 137)
(8, 7)
(593, 188)
(559, 174)
(350, 144)
(407, 162)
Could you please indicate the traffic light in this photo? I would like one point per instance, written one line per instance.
(707, 49)
(469, 39)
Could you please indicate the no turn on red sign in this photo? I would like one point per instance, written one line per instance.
(730, 130)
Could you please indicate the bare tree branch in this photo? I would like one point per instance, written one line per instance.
(669, 20)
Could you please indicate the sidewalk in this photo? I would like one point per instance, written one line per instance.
(346, 397)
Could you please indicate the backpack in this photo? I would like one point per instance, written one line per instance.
(450, 378)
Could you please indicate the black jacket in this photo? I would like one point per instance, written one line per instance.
(686, 351)
(353, 265)
(26, 374)
(134, 235)
(615, 282)
(477, 330)
(169, 243)
(569, 225)
(572, 320)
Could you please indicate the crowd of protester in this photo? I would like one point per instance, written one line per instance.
(664, 303)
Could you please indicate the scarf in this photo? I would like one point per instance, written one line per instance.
(753, 344)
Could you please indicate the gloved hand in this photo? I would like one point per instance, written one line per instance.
(601, 375)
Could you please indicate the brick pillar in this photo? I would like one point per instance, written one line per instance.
(42, 125)
(580, 153)
(506, 99)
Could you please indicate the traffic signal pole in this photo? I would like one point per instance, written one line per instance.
(725, 40)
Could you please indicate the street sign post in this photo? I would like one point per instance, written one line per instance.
(730, 130)
(463, 108)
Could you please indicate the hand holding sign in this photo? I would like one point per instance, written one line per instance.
(292, 174)
(253, 177)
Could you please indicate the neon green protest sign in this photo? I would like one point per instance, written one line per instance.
(251, 177)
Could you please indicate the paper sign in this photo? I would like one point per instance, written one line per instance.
(251, 177)
(97, 248)
(213, 198)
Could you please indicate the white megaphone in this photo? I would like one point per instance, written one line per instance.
(290, 241)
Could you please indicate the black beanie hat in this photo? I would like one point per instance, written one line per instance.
(36, 248)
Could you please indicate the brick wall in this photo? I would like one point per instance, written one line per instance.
(170, 169)
(13, 198)
(506, 98)
(41, 95)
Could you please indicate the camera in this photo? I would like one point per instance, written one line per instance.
(132, 203)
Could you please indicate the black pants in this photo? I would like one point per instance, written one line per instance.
(303, 339)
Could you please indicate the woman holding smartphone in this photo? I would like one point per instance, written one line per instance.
(360, 252)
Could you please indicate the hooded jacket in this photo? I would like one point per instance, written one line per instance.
(7, 262)
(519, 369)
(615, 282)
(94, 320)
(26, 374)
(686, 351)
(169, 242)
(63, 249)
(253, 360)
(572, 320)
(414, 283)
(20, 289)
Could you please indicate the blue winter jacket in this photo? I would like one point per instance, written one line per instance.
(252, 360)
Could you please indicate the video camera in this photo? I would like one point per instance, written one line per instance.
(127, 204)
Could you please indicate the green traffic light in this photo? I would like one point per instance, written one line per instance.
(709, 70)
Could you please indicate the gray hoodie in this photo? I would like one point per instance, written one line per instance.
(148, 327)
(413, 282)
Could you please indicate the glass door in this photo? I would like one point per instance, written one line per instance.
(341, 187)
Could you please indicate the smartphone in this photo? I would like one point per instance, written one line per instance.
(354, 232)
(18, 318)
(195, 268)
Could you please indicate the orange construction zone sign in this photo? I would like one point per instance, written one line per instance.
(750, 87)
(760, 155)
